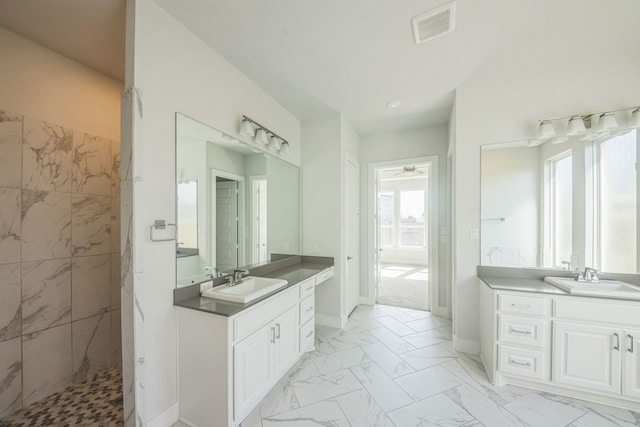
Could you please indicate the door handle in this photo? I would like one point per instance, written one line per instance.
(278, 330)
(273, 335)
(617, 345)
(630, 348)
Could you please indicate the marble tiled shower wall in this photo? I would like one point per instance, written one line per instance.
(59, 258)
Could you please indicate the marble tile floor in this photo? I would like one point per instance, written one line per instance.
(375, 373)
(96, 402)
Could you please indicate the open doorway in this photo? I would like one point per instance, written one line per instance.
(405, 260)
(228, 248)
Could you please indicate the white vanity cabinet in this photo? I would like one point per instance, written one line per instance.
(584, 347)
(228, 364)
(523, 337)
(595, 345)
(262, 358)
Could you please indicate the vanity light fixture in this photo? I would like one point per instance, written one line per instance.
(274, 143)
(246, 128)
(576, 125)
(635, 118)
(546, 129)
(284, 148)
(251, 128)
(261, 137)
(607, 121)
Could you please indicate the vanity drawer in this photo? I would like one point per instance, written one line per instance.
(255, 317)
(324, 275)
(532, 306)
(519, 330)
(306, 309)
(307, 287)
(521, 362)
(307, 336)
(625, 313)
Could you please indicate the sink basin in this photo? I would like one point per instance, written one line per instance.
(251, 288)
(604, 288)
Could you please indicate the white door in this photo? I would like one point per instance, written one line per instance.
(259, 220)
(227, 225)
(631, 351)
(587, 357)
(352, 235)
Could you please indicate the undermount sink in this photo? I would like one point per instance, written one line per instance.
(251, 288)
(603, 288)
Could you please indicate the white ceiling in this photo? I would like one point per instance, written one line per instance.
(318, 57)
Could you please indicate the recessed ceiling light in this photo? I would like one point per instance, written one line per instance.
(393, 104)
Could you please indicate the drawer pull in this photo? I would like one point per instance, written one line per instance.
(309, 288)
(521, 305)
(309, 334)
(617, 345)
(630, 348)
(273, 335)
(515, 362)
(517, 331)
(308, 309)
(278, 330)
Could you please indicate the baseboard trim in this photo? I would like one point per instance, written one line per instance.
(167, 417)
(440, 311)
(367, 301)
(466, 346)
(331, 321)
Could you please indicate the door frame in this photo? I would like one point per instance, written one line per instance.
(242, 253)
(372, 237)
(345, 311)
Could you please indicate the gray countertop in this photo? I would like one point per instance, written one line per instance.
(292, 272)
(532, 280)
(520, 284)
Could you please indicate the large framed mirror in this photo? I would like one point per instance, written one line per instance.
(236, 203)
(563, 203)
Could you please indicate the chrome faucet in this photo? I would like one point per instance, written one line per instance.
(588, 275)
(237, 276)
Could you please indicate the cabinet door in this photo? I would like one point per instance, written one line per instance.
(631, 351)
(286, 349)
(587, 357)
(252, 367)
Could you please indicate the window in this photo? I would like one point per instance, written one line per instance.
(386, 205)
(412, 229)
(618, 212)
(559, 212)
(402, 218)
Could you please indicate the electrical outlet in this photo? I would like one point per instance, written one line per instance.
(474, 234)
(316, 250)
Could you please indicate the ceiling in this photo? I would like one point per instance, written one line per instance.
(318, 57)
(89, 32)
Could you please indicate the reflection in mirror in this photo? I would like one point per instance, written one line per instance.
(565, 203)
(247, 207)
(187, 225)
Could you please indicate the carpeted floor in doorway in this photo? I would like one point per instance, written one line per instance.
(404, 286)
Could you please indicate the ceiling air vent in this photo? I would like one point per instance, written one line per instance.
(434, 23)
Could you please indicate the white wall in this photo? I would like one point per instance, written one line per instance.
(432, 141)
(321, 209)
(175, 71)
(503, 102)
